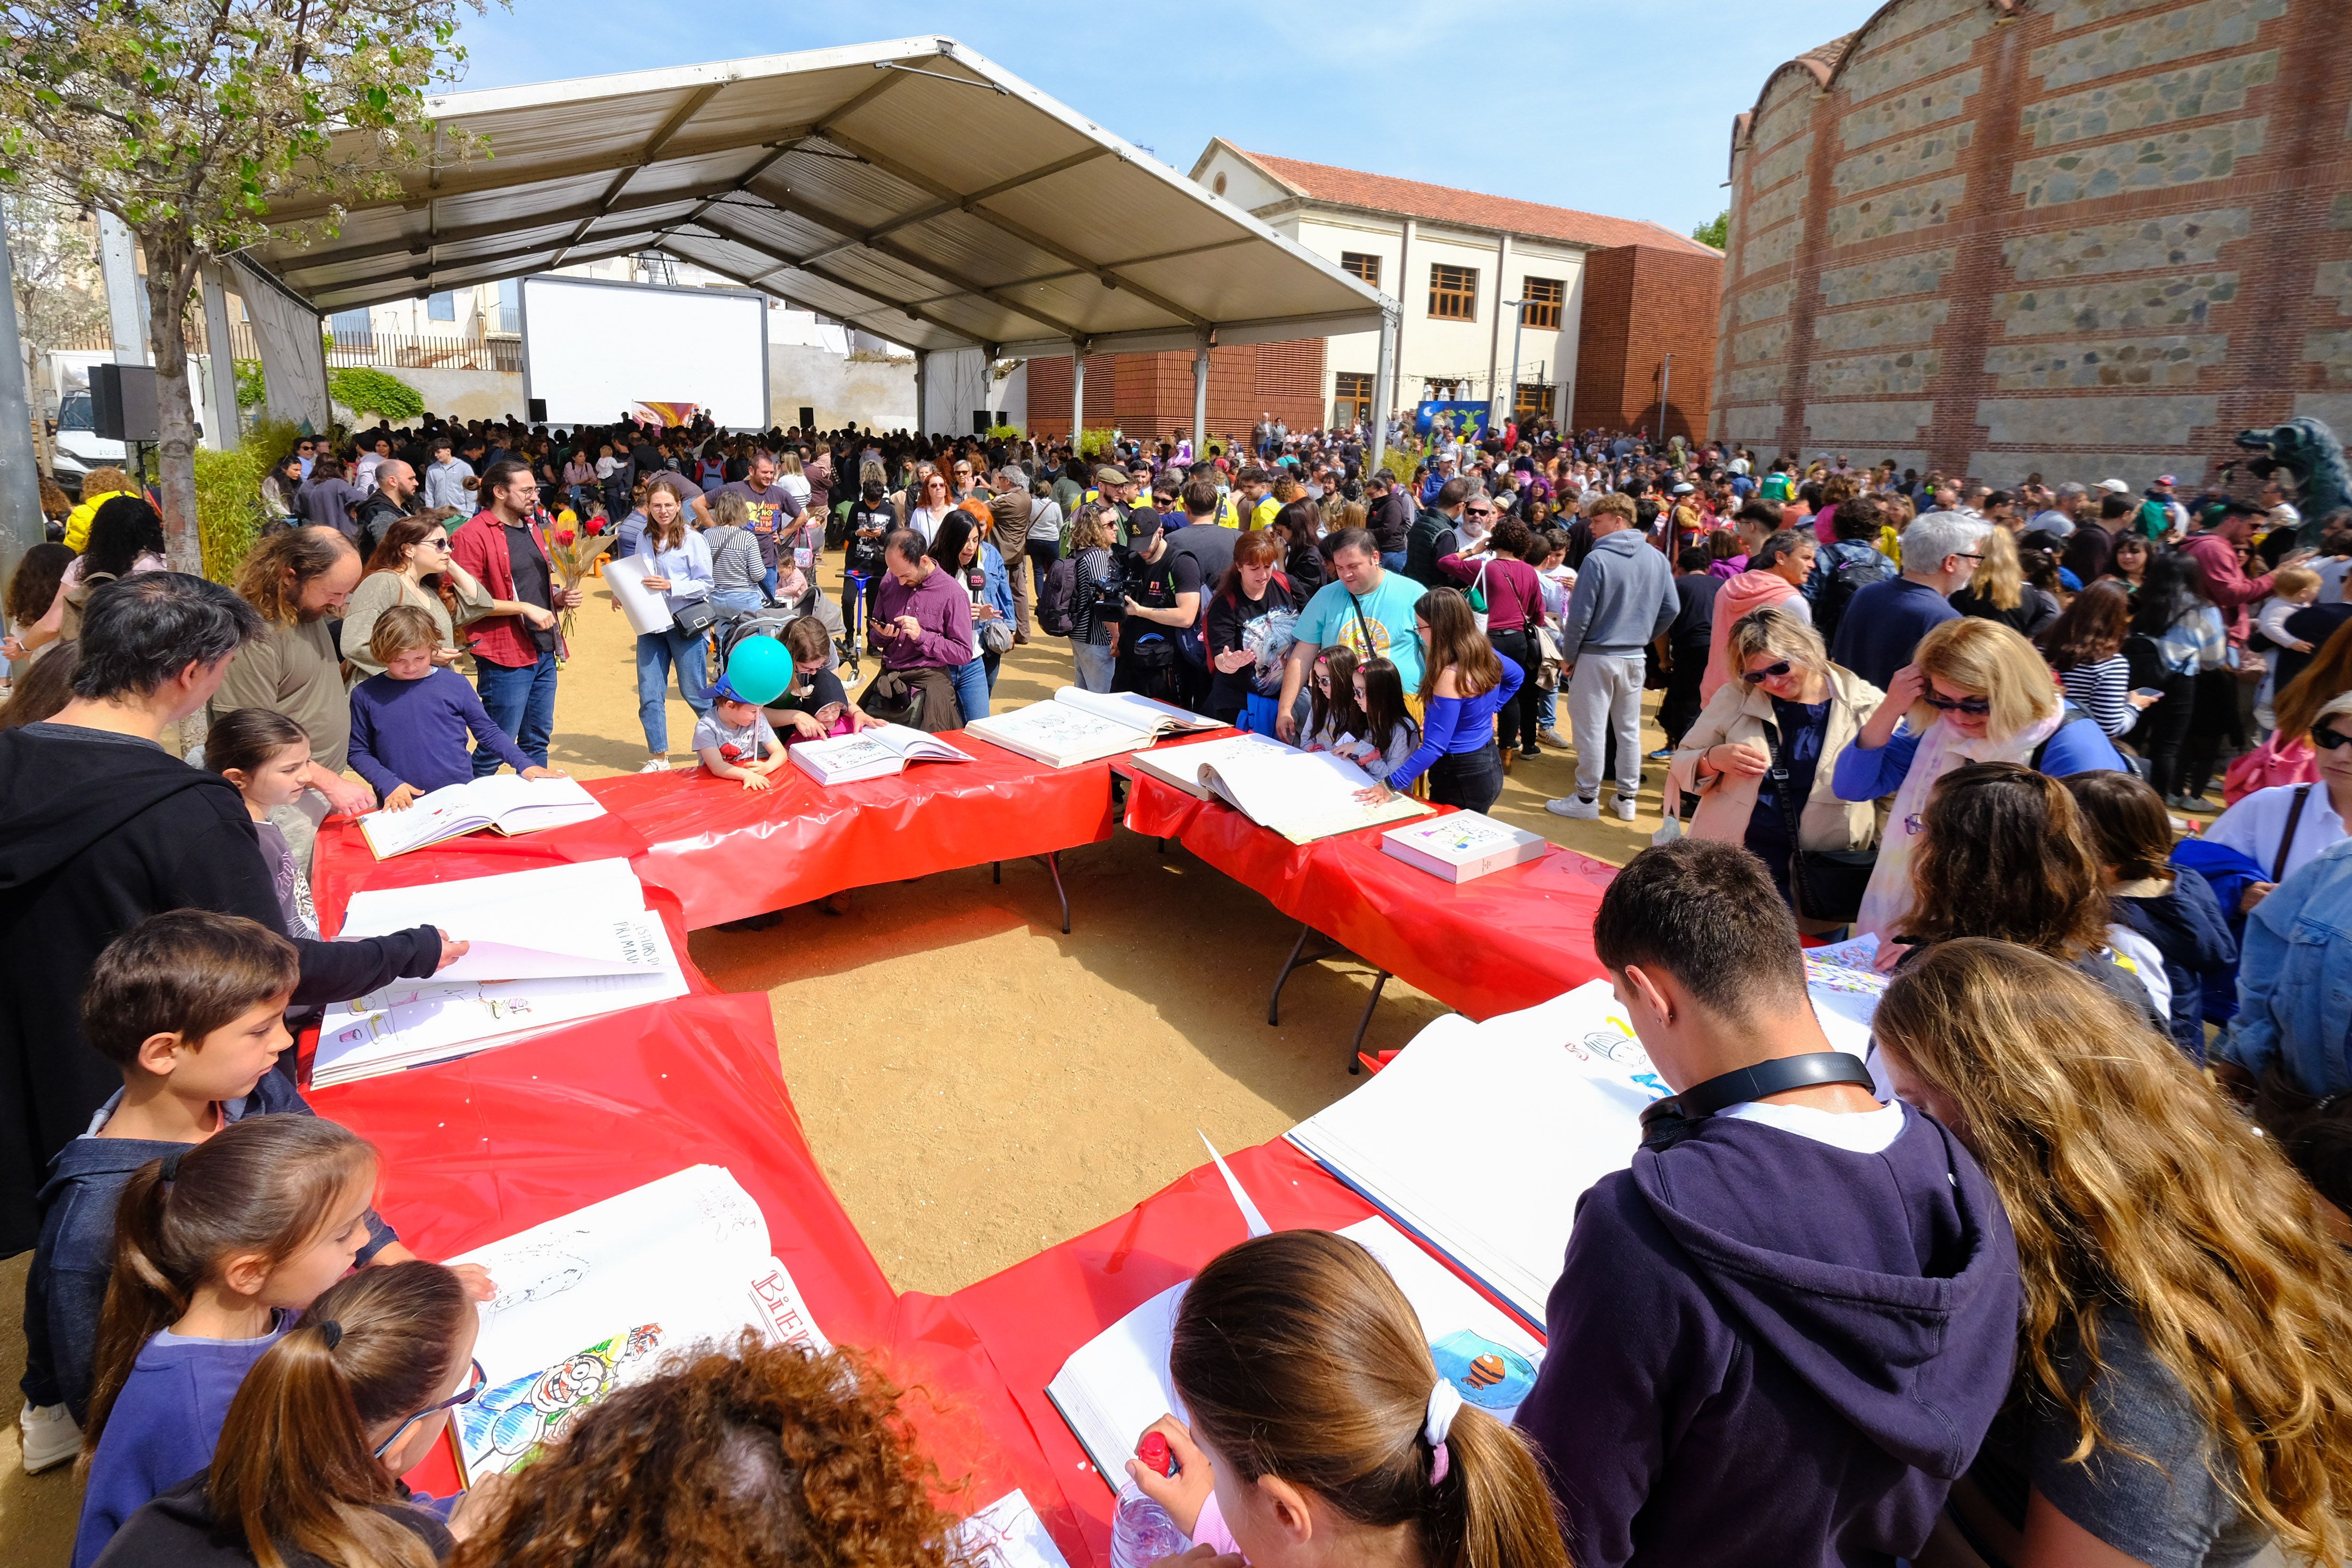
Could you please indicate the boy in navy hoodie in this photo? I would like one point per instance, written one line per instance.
(2172, 906)
(189, 1006)
(1782, 1332)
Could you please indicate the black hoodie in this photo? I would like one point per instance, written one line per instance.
(179, 1529)
(97, 831)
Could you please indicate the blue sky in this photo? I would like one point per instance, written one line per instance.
(1621, 107)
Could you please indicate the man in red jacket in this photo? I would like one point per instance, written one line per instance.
(515, 644)
(2214, 547)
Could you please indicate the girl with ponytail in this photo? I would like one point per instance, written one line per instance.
(1322, 1432)
(216, 1247)
(307, 1471)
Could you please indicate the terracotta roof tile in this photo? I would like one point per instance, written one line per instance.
(1444, 204)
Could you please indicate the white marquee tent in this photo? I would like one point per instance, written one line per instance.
(911, 188)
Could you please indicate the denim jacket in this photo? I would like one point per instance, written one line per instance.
(2294, 979)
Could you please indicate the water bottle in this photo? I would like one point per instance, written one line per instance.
(1141, 1534)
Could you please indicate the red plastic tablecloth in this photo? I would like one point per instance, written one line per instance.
(1028, 1318)
(728, 852)
(1503, 941)
(343, 864)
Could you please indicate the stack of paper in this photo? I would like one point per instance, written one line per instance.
(1463, 844)
(1181, 766)
(1550, 1101)
(647, 609)
(551, 946)
(874, 754)
(596, 1299)
(1117, 1384)
(504, 803)
(1303, 795)
(1008, 1533)
(1086, 726)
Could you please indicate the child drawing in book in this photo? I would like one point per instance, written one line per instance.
(1389, 734)
(1333, 715)
(815, 704)
(734, 739)
(217, 1248)
(409, 724)
(315, 1441)
(264, 755)
(1324, 1431)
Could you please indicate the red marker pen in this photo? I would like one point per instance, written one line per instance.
(1156, 1456)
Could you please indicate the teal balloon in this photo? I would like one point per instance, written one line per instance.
(760, 670)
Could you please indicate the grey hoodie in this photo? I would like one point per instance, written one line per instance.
(1624, 597)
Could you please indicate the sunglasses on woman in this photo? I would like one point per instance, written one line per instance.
(1969, 705)
(466, 1396)
(2326, 737)
(1769, 672)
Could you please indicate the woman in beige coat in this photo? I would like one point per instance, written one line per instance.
(409, 566)
(1790, 696)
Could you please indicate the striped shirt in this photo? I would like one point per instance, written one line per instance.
(2100, 690)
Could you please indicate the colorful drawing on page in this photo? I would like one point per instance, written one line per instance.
(784, 1317)
(1008, 1533)
(1491, 1376)
(1614, 1053)
(507, 1426)
(1847, 966)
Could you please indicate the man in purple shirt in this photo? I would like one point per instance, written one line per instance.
(922, 625)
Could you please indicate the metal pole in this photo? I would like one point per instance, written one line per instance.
(1384, 376)
(220, 360)
(1201, 403)
(1519, 325)
(21, 525)
(1665, 381)
(1077, 395)
(126, 302)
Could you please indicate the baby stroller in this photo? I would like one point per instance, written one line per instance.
(770, 621)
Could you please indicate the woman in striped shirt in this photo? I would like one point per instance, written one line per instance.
(2084, 645)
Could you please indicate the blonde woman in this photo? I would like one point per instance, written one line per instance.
(1094, 642)
(1785, 697)
(1998, 590)
(2181, 1394)
(1975, 692)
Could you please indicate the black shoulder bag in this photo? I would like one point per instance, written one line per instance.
(1823, 884)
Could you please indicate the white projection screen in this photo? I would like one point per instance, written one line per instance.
(593, 350)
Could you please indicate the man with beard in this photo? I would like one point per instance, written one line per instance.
(296, 580)
(395, 498)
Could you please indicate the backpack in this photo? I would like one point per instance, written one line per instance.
(1848, 575)
(2268, 765)
(1057, 600)
(1420, 546)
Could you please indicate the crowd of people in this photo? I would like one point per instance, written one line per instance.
(2058, 1278)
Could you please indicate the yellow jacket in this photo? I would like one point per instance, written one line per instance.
(78, 520)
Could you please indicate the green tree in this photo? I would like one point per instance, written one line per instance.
(1715, 231)
(364, 391)
(188, 118)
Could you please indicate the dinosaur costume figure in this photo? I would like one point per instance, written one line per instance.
(2307, 451)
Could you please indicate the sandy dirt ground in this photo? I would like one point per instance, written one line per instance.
(976, 1085)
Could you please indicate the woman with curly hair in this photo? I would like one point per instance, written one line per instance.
(770, 1455)
(2181, 1395)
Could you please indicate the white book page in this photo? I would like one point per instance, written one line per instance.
(517, 804)
(1305, 796)
(443, 813)
(543, 896)
(848, 757)
(915, 745)
(1008, 1533)
(647, 611)
(605, 943)
(1135, 712)
(1181, 765)
(1059, 733)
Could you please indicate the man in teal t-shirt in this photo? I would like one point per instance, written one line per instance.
(1367, 609)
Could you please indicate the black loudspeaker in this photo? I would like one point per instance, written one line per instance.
(537, 414)
(122, 402)
(808, 418)
(983, 421)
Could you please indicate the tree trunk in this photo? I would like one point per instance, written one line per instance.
(170, 263)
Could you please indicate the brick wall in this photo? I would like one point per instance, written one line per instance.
(2093, 238)
(1640, 304)
(1151, 395)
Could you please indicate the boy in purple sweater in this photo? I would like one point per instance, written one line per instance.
(409, 724)
(1782, 1332)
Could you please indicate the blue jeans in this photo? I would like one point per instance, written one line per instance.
(657, 654)
(970, 688)
(1392, 560)
(520, 700)
(1095, 662)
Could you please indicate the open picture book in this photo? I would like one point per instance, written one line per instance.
(594, 1301)
(1086, 726)
(547, 946)
(873, 753)
(1117, 1384)
(503, 803)
(1303, 795)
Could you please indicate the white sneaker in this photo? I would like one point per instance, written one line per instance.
(47, 1436)
(1551, 738)
(655, 766)
(1571, 805)
(1625, 807)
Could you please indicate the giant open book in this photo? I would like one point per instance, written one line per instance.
(1086, 726)
(1117, 1384)
(1303, 795)
(594, 1301)
(872, 753)
(549, 946)
(503, 803)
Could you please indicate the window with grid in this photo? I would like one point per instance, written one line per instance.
(1366, 268)
(511, 306)
(441, 307)
(1454, 293)
(1351, 399)
(1544, 297)
(352, 329)
(1534, 398)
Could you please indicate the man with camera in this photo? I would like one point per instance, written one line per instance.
(1164, 588)
(922, 628)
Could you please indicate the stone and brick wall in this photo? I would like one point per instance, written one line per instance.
(1150, 395)
(2082, 237)
(1640, 304)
